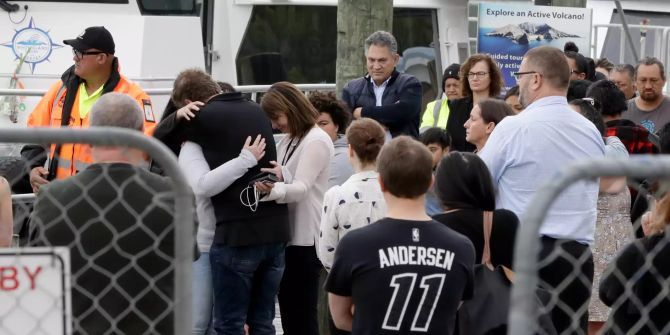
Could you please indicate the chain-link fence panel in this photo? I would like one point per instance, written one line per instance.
(619, 283)
(35, 291)
(127, 232)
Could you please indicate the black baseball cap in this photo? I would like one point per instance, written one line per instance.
(93, 38)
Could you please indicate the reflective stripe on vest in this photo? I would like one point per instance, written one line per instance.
(65, 164)
(436, 111)
(80, 165)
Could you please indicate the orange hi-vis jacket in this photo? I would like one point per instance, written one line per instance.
(49, 113)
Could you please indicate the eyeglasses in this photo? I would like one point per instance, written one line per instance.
(517, 75)
(80, 54)
(472, 75)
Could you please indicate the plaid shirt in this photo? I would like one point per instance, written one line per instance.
(634, 137)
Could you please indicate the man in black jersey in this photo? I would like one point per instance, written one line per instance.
(406, 273)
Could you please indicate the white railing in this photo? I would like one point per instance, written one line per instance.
(57, 76)
(253, 89)
(661, 43)
(660, 46)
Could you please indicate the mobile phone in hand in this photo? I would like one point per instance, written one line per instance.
(264, 177)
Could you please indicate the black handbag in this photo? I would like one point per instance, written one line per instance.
(487, 312)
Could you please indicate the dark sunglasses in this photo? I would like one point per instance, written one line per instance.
(79, 54)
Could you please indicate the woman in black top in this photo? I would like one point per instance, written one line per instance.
(480, 79)
(464, 186)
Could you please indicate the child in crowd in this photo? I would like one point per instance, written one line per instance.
(438, 142)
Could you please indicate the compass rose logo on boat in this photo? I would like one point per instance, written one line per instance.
(33, 44)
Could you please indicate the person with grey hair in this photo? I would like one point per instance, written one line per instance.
(623, 75)
(117, 110)
(133, 278)
(384, 94)
(651, 108)
(121, 111)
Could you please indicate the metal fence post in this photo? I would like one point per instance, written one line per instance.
(523, 313)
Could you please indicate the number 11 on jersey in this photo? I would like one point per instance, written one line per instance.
(403, 287)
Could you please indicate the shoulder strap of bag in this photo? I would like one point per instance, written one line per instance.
(488, 226)
(436, 111)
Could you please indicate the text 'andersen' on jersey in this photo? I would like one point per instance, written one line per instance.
(415, 255)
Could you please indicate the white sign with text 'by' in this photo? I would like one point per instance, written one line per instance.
(35, 291)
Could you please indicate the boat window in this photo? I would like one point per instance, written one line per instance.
(168, 7)
(299, 44)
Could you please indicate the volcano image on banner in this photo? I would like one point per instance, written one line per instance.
(507, 31)
(525, 32)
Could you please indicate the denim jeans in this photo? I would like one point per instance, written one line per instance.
(246, 281)
(203, 297)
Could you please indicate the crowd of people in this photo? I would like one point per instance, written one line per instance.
(397, 208)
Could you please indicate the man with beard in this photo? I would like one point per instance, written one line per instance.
(650, 109)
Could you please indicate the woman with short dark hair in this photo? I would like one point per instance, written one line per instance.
(463, 184)
(334, 119)
(611, 103)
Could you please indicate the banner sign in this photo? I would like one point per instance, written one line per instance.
(507, 31)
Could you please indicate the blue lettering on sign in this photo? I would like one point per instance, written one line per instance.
(33, 43)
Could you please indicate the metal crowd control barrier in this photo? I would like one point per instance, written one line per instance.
(658, 47)
(523, 312)
(58, 76)
(184, 212)
(253, 89)
(661, 43)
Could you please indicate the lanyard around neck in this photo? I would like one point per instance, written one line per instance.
(290, 150)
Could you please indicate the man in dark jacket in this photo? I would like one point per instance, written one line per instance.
(117, 220)
(384, 94)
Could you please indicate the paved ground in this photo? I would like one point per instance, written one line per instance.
(277, 321)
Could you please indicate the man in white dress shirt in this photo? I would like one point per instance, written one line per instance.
(526, 151)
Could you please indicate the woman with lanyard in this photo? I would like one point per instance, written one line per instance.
(305, 155)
